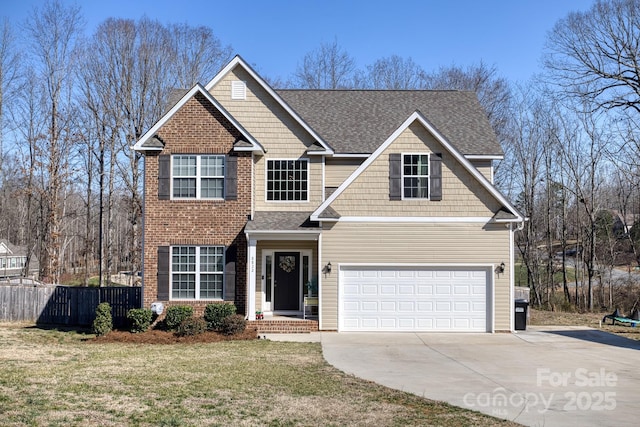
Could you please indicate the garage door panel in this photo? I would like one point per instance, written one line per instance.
(387, 289)
(442, 289)
(443, 306)
(351, 289)
(424, 306)
(410, 299)
(462, 307)
(406, 290)
(407, 306)
(462, 289)
(424, 290)
(370, 289)
(388, 306)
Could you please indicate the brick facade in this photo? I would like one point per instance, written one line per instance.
(197, 128)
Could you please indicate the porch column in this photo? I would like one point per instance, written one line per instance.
(251, 294)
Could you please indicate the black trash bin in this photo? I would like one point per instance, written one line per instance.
(521, 307)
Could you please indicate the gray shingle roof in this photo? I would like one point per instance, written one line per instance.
(358, 121)
(291, 221)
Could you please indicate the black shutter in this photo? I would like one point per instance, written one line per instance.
(164, 177)
(435, 177)
(230, 273)
(395, 176)
(231, 178)
(163, 273)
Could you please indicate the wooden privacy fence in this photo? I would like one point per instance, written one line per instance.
(63, 305)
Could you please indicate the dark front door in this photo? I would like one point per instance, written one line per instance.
(286, 284)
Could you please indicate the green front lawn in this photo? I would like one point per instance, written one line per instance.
(54, 378)
(520, 273)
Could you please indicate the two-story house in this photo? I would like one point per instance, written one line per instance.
(381, 203)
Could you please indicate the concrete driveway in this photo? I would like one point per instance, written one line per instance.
(544, 376)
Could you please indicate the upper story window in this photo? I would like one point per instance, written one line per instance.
(415, 176)
(198, 176)
(287, 180)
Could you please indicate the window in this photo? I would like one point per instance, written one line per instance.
(415, 176)
(197, 272)
(287, 180)
(198, 177)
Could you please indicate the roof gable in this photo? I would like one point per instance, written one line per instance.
(355, 121)
(320, 147)
(4, 249)
(151, 142)
(320, 214)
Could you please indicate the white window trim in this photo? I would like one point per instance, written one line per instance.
(266, 180)
(199, 177)
(428, 176)
(196, 272)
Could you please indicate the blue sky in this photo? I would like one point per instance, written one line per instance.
(274, 35)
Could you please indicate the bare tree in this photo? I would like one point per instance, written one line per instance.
(53, 32)
(494, 94)
(395, 72)
(9, 89)
(594, 54)
(197, 54)
(527, 135)
(327, 67)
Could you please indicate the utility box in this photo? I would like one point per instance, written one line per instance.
(521, 307)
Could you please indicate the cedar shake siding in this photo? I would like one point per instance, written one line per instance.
(197, 128)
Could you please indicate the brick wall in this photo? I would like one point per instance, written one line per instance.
(197, 128)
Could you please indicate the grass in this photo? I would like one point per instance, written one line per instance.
(592, 320)
(55, 378)
(521, 279)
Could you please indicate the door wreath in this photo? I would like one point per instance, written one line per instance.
(287, 263)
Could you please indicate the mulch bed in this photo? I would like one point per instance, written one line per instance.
(156, 336)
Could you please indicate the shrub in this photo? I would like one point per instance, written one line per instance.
(176, 314)
(140, 319)
(215, 313)
(103, 323)
(233, 325)
(191, 326)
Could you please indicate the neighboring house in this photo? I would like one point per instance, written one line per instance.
(13, 259)
(379, 202)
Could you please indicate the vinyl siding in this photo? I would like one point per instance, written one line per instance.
(279, 134)
(485, 168)
(338, 170)
(462, 194)
(414, 243)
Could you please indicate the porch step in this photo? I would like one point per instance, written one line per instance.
(293, 326)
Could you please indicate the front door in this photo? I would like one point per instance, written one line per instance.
(286, 284)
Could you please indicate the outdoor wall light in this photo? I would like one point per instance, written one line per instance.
(328, 267)
(500, 268)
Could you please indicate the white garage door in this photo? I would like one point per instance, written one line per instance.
(410, 299)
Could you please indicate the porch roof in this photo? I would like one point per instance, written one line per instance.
(280, 222)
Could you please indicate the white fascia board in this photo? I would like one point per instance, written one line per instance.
(352, 156)
(483, 157)
(416, 219)
(197, 88)
(237, 60)
(417, 116)
(282, 235)
(349, 265)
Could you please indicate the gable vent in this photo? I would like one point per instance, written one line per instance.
(238, 90)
